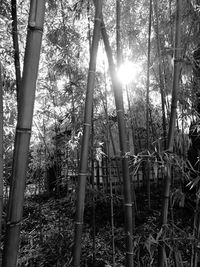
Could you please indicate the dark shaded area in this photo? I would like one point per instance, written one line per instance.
(48, 228)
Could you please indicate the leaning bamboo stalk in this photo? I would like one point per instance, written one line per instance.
(123, 147)
(23, 131)
(109, 130)
(1, 153)
(176, 76)
(16, 46)
(86, 134)
(161, 79)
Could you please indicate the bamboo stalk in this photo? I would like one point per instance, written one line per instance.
(147, 106)
(86, 134)
(162, 93)
(134, 203)
(1, 154)
(108, 127)
(148, 75)
(23, 132)
(109, 174)
(132, 122)
(118, 32)
(123, 147)
(16, 46)
(93, 195)
(176, 76)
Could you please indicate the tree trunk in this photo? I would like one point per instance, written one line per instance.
(86, 134)
(122, 138)
(176, 76)
(23, 132)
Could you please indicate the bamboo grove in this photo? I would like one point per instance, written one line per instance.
(99, 150)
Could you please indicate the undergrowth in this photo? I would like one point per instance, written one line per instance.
(47, 233)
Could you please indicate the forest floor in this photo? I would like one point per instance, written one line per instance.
(47, 232)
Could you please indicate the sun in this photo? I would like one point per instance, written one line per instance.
(128, 72)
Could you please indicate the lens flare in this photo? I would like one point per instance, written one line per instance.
(128, 72)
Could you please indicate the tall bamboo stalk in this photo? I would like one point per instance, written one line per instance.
(1, 153)
(123, 147)
(176, 76)
(109, 173)
(132, 122)
(23, 132)
(147, 104)
(160, 74)
(86, 134)
(134, 203)
(93, 197)
(16, 46)
(118, 32)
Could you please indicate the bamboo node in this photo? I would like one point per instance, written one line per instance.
(87, 124)
(12, 224)
(92, 71)
(78, 223)
(128, 205)
(129, 253)
(97, 19)
(82, 173)
(32, 27)
(23, 130)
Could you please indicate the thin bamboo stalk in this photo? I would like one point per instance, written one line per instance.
(160, 75)
(16, 46)
(93, 197)
(86, 134)
(147, 105)
(148, 75)
(118, 32)
(1, 154)
(23, 132)
(177, 58)
(109, 128)
(176, 76)
(109, 175)
(134, 203)
(132, 123)
(111, 210)
(123, 147)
